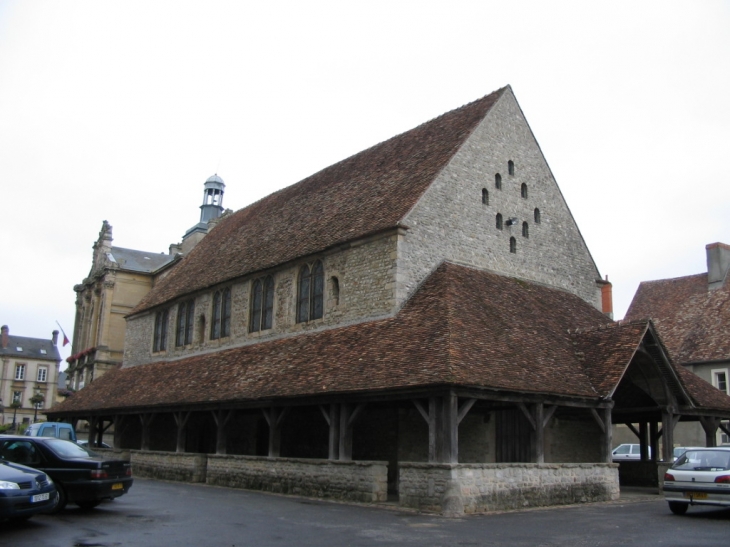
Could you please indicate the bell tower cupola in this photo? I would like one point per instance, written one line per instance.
(212, 199)
(211, 209)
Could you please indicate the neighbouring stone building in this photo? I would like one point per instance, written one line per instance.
(119, 278)
(421, 320)
(29, 368)
(692, 314)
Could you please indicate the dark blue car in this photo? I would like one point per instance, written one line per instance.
(25, 492)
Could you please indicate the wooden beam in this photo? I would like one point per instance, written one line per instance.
(181, 420)
(599, 420)
(465, 408)
(549, 413)
(527, 414)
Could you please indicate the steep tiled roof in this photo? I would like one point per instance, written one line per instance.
(693, 320)
(462, 327)
(139, 261)
(24, 347)
(703, 393)
(364, 194)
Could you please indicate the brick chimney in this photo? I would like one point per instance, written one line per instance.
(718, 264)
(5, 332)
(606, 297)
(54, 338)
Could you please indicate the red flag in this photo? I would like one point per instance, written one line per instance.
(65, 338)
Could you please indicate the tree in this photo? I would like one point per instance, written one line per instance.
(37, 400)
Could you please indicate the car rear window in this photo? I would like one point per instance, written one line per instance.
(704, 460)
(67, 449)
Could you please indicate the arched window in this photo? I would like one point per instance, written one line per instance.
(310, 301)
(498, 181)
(485, 196)
(537, 215)
(160, 338)
(499, 221)
(185, 321)
(262, 304)
(511, 167)
(220, 325)
(523, 190)
(525, 230)
(336, 290)
(512, 245)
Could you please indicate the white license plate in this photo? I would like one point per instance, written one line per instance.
(39, 497)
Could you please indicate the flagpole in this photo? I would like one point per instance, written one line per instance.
(65, 338)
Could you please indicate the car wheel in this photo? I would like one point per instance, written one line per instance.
(89, 504)
(62, 499)
(678, 508)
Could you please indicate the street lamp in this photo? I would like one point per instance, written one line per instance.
(15, 405)
(37, 401)
(2, 412)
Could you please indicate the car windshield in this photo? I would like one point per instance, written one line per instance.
(704, 460)
(67, 449)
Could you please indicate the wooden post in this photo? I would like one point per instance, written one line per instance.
(333, 442)
(537, 446)
(643, 441)
(710, 425)
(146, 420)
(608, 436)
(120, 425)
(449, 429)
(668, 422)
(92, 430)
(181, 420)
(348, 415)
(654, 440)
(274, 417)
(221, 418)
(430, 417)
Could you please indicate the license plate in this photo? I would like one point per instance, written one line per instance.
(117, 486)
(39, 497)
(696, 495)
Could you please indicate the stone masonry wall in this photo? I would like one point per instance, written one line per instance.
(350, 481)
(365, 289)
(171, 466)
(455, 489)
(450, 222)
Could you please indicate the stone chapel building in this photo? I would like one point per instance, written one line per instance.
(421, 320)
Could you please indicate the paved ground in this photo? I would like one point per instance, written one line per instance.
(174, 514)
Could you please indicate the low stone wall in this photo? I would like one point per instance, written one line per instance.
(171, 466)
(361, 481)
(455, 489)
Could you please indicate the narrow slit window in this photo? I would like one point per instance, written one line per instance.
(511, 167)
(498, 181)
(537, 216)
(523, 190)
(513, 245)
(485, 196)
(525, 230)
(499, 221)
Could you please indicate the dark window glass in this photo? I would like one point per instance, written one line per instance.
(499, 221)
(317, 291)
(512, 245)
(525, 230)
(537, 216)
(511, 167)
(226, 313)
(160, 338)
(181, 322)
(498, 181)
(303, 300)
(215, 324)
(485, 196)
(268, 312)
(523, 190)
(256, 301)
(190, 312)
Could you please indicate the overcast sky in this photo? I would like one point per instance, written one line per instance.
(120, 111)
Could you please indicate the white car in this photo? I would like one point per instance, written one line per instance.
(700, 476)
(628, 452)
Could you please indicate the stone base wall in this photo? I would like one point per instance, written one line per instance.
(455, 489)
(171, 466)
(362, 481)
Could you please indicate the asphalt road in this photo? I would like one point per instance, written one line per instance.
(174, 514)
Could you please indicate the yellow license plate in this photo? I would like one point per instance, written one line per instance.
(117, 486)
(696, 495)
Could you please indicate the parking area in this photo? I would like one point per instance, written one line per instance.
(158, 513)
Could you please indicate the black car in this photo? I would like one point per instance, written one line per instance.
(24, 492)
(81, 476)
